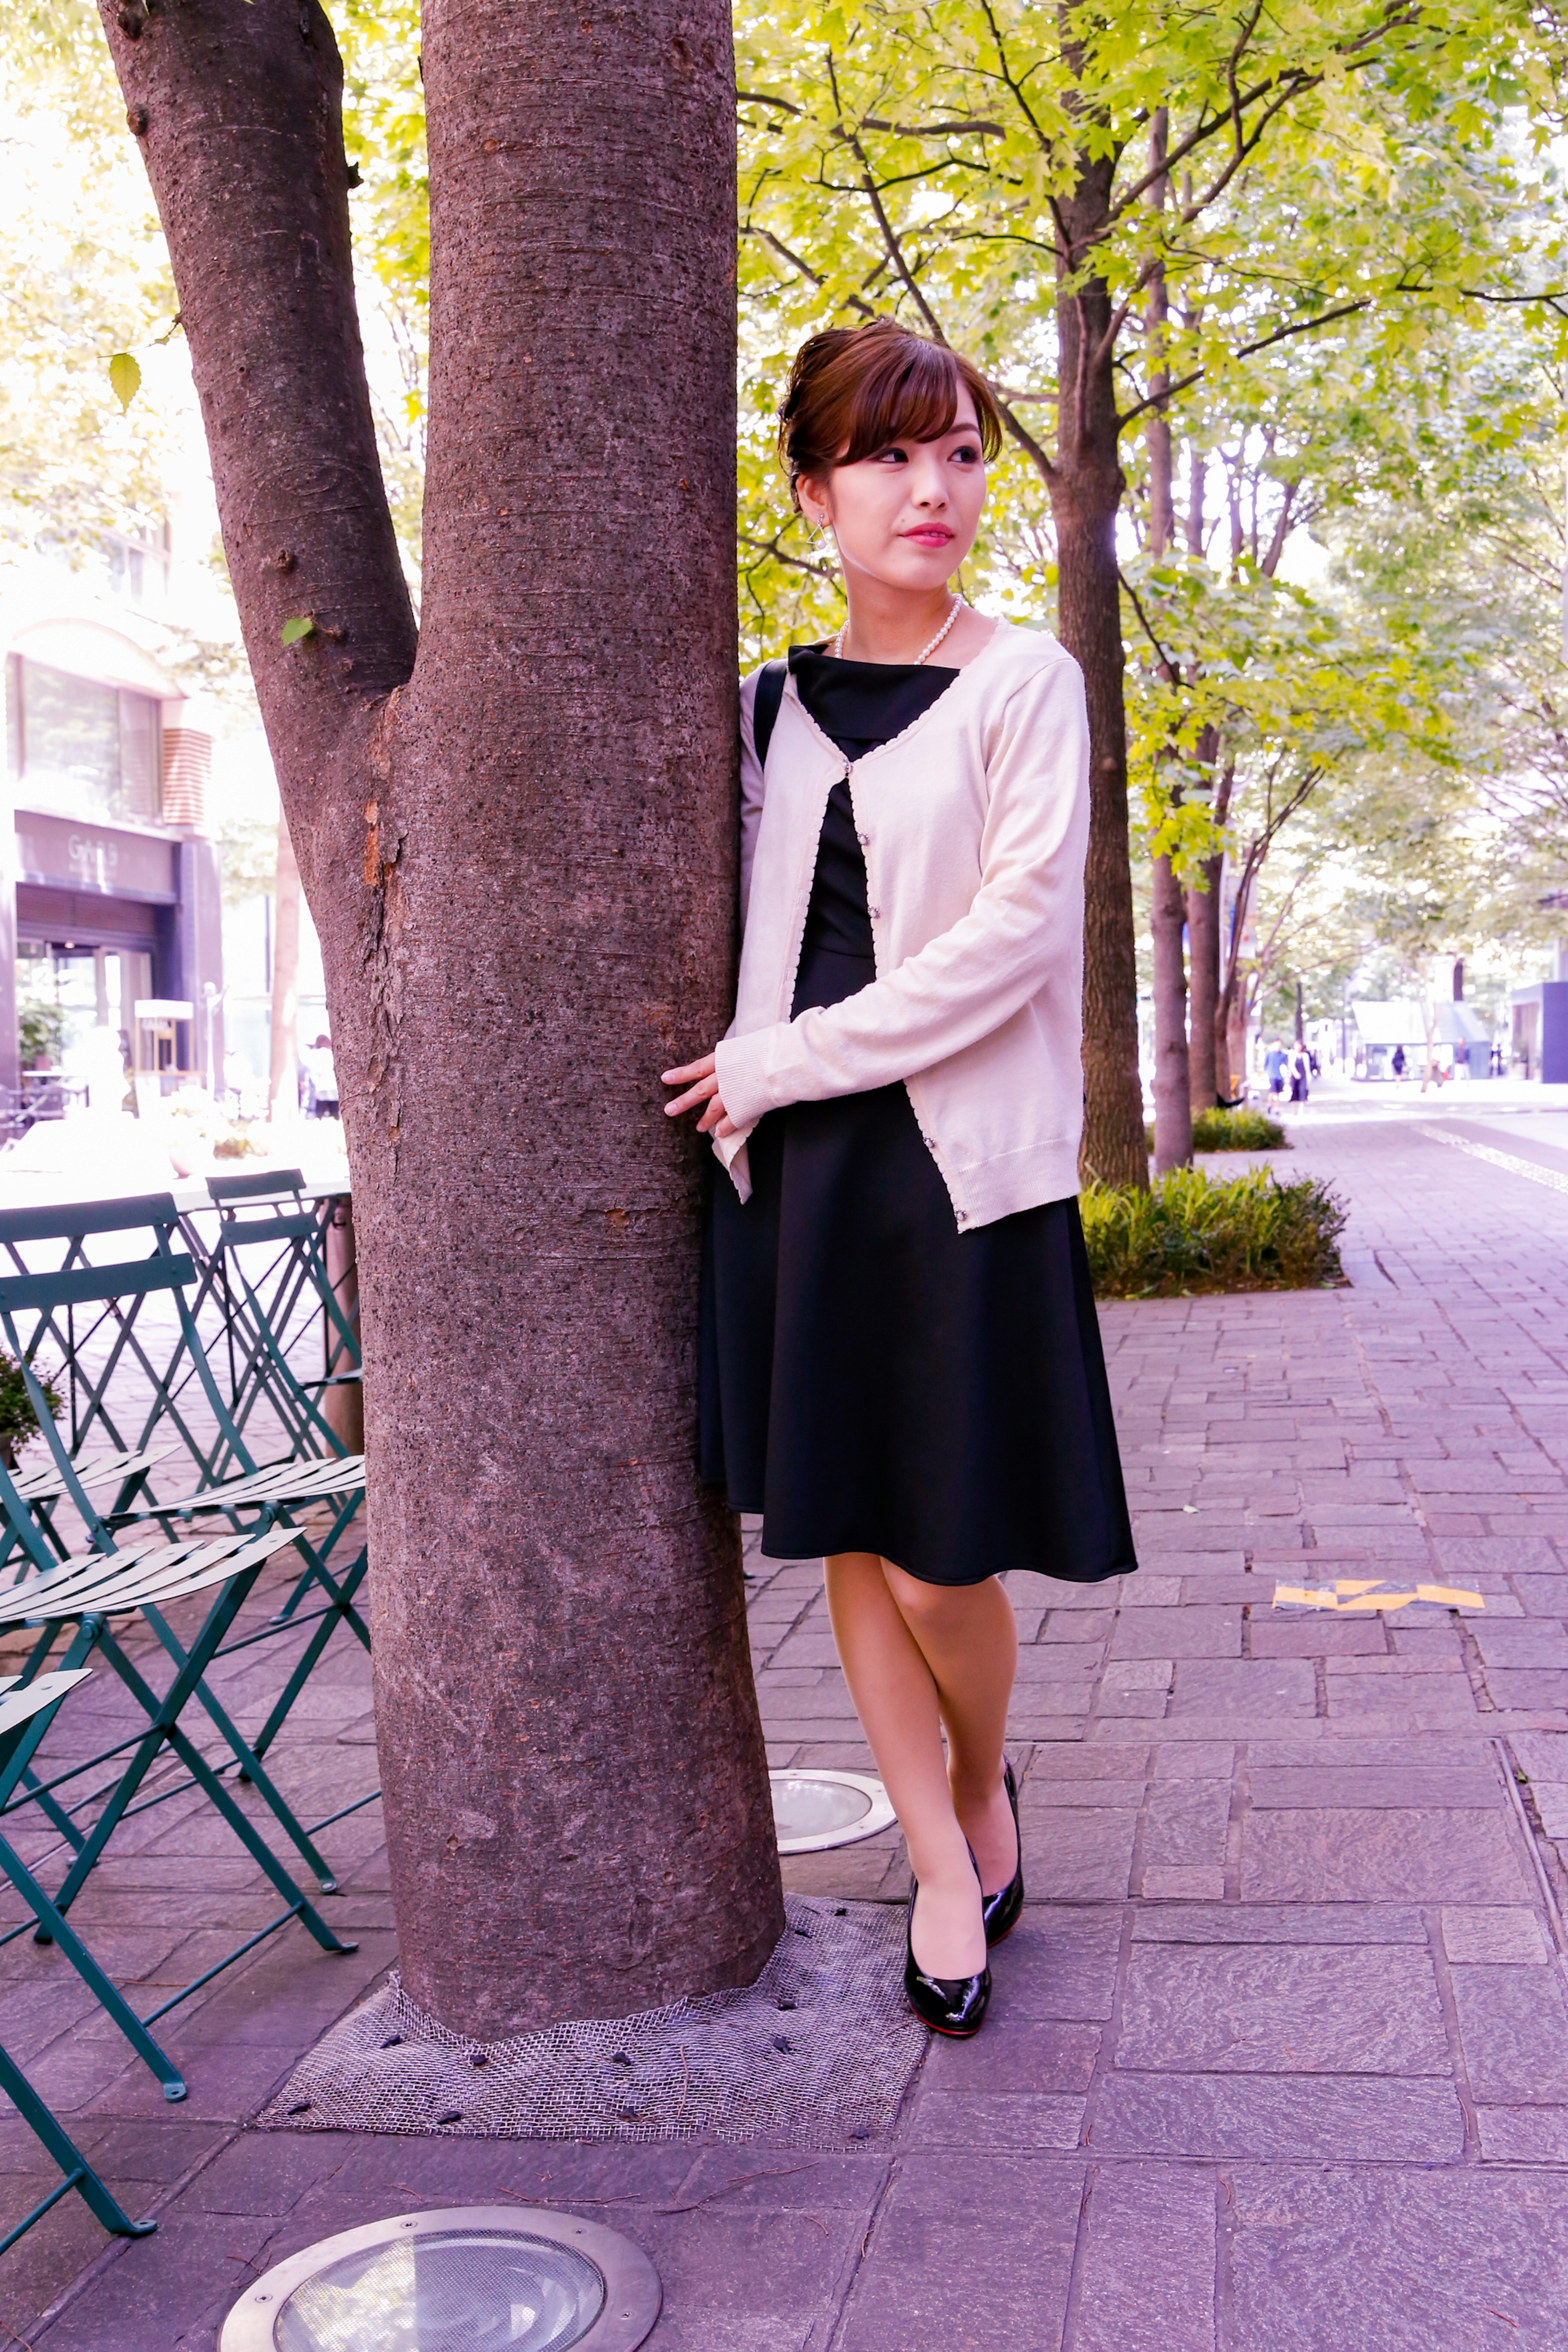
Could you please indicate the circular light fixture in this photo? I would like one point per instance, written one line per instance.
(476, 2278)
(814, 1810)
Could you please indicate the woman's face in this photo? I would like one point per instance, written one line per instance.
(906, 517)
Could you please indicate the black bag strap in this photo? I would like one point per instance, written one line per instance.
(766, 708)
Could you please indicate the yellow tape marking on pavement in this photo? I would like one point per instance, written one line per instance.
(1350, 1595)
(1554, 1177)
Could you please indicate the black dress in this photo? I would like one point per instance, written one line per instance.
(872, 1379)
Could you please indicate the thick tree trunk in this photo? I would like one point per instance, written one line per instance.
(521, 856)
(1086, 488)
(283, 1071)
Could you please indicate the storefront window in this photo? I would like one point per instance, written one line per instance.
(84, 748)
(66, 993)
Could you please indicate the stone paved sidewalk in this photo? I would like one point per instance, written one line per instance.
(1279, 2057)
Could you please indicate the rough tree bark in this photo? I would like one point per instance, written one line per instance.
(519, 853)
(1086, 485)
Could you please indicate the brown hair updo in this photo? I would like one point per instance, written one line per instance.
(854, 390)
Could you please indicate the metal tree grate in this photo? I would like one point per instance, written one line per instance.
(817, 2054)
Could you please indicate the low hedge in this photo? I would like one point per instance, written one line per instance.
(1191, 1231)
(1234, 1130)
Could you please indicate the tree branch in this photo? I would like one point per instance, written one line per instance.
(934, 129)
(1168, 667)
(890, 238)
(270, 317)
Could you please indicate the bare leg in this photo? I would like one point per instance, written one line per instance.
(902, 1708)
(969, 1638)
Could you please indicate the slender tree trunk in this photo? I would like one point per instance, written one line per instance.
(1206, 1049)
(521, 856)
(1086, 487)
(1167, 906)
(1173, 1106)
(283, 1077)
(1236, 1041)
(1202, 953)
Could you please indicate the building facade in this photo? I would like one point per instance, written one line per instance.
(109, 887)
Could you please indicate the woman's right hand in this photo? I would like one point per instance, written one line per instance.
(701, 1082)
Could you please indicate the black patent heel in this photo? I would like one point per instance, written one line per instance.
(955, 2006)
(1003, 1910)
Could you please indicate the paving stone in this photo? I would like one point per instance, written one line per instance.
(1316, 1855)
(1185, 1825)
(1513, 2024)
(1080, 1853)
(1049, 1765)
(1509, 1688)
(1319, 1634)
(1321, 2009)
(1359, 1788)
(1418, 1700)
(1375, 2259)
(1339, 1750)
(1504, 1933)
(1263, 1691)
(1195, 1760)
(1148, 1674)
(968, 2253)
(1147, 2281)
(1056, 1963)
(1045, 1798)
(1189, 1632)
(1526, 1641)
(1285, 2116)
(1014, 2054)
(995, 2119)
(1523, 2134)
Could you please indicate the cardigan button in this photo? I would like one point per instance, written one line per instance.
(875, 913)
(864, 839)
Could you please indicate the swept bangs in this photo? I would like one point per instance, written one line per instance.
(854, 390)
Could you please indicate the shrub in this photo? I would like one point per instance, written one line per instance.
(1234, 1130)
(18, 1421)
(1191, 1231)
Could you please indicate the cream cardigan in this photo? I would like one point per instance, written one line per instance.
(974, 824)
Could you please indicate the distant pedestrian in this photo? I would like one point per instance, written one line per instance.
(320, 1080)
(1274, 1063)
(1298, 1076)
(1397, 1066)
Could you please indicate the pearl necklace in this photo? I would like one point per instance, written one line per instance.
(836, 643)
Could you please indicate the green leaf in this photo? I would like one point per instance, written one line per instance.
(301, 626)
(124, 378)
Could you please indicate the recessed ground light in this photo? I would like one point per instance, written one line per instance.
(815, 1809)
(466, 2280)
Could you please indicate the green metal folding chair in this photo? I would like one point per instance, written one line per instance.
(86, 1593)
(262, 1249)
(102, 1324)
(26, 1713)
(136, 1563)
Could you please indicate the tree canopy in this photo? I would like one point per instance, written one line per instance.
(1353, 223)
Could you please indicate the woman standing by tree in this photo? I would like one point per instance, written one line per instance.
(902, 1368)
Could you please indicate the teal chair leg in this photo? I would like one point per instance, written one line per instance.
(79, 2174)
